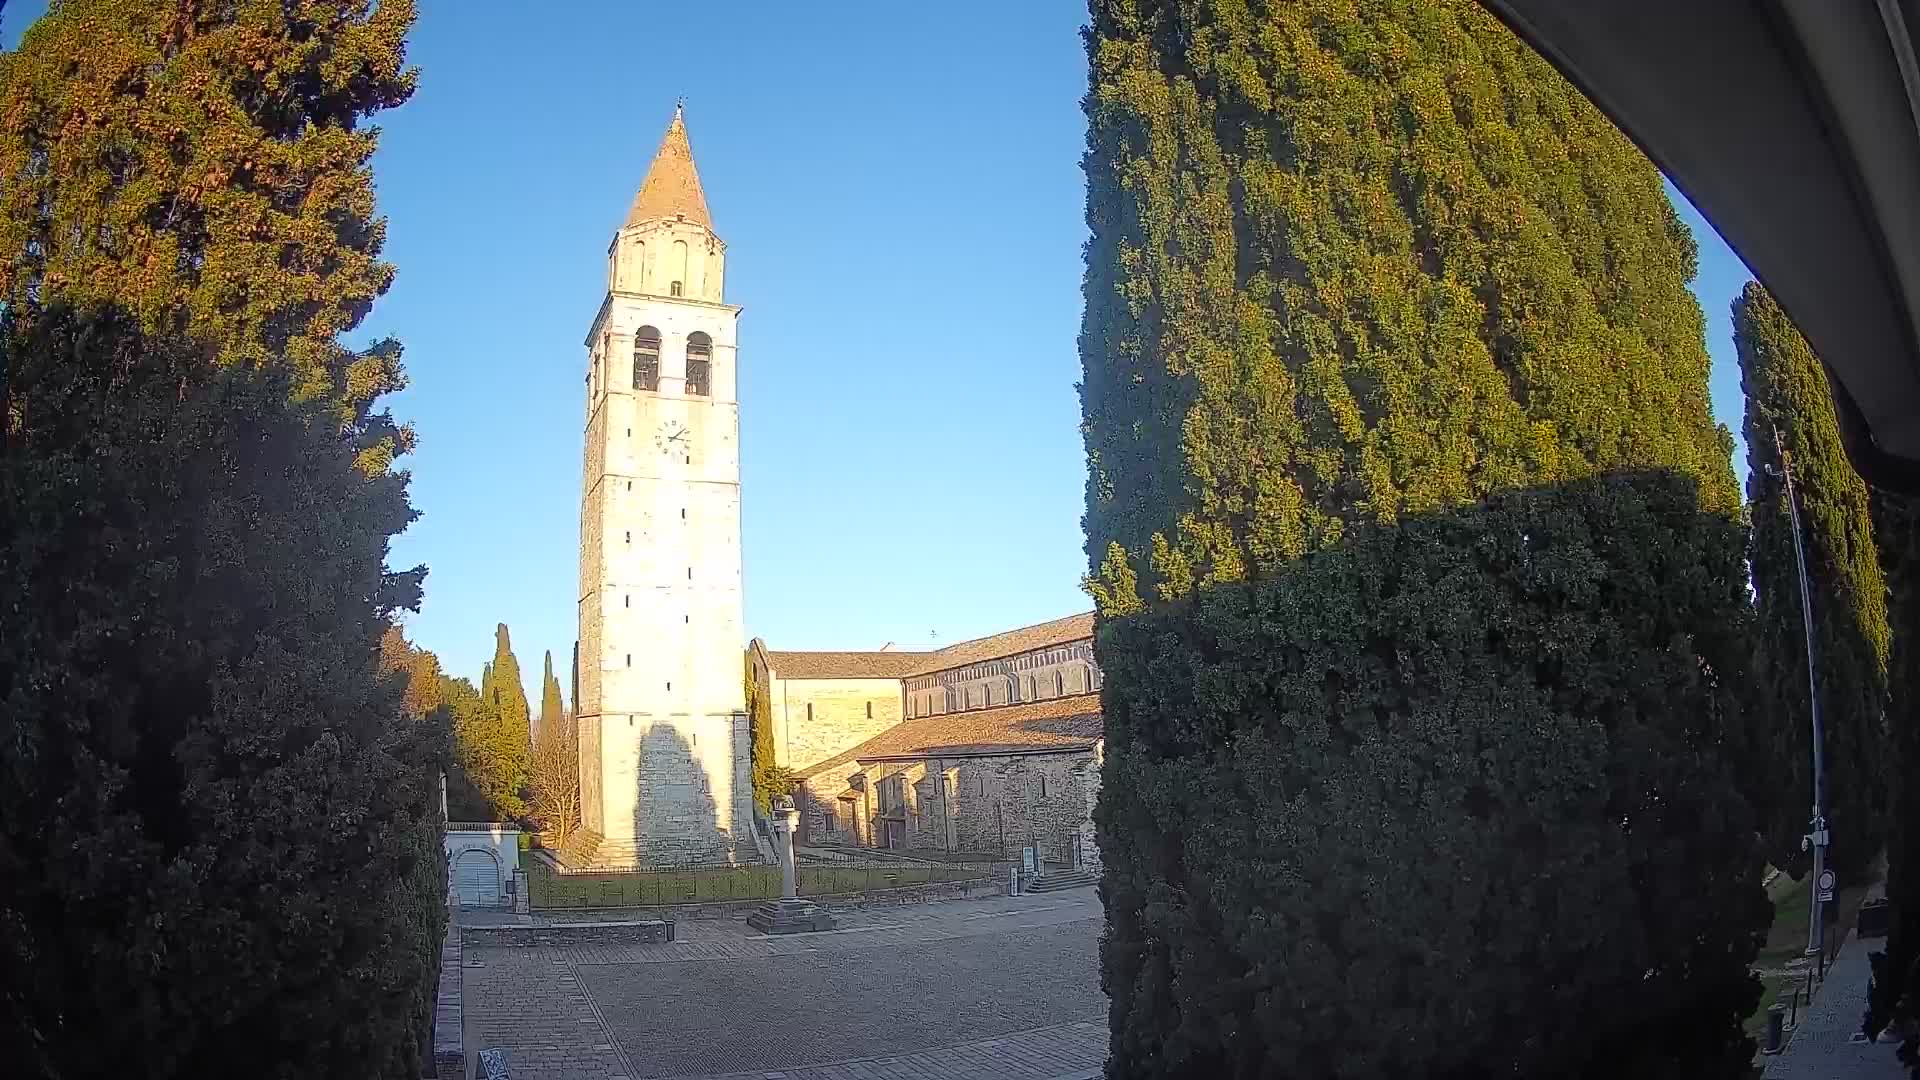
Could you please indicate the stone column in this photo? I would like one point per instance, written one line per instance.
(785, 820)
(790, 914)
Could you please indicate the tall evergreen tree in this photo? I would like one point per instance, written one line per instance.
(769, 779)
(205, 165)
(550, 706)
(219, 827)
(509, 730)
(1896, 971)
(1354, 269)
(1788, 398)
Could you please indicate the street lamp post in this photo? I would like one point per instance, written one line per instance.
(1817, 836)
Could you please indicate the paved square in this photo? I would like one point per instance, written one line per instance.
(990, 988)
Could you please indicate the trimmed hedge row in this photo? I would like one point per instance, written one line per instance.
(1455, 798)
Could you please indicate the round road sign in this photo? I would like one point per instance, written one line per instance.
(1826, 881)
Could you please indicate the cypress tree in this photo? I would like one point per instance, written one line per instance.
(1895, 996)
(206, 166)
(550, 706)
(1355, 270)
(508, 729)
(1788, 398)
(768, 779)
(219, 824)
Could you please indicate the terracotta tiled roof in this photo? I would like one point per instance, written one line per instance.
(1067, 723)
(844, 665)
(672, 186)
(1025, 639)
(899, 665)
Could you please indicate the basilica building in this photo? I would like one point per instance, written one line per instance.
(981, 748)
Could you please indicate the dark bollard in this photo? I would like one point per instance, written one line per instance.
(1776, 1029)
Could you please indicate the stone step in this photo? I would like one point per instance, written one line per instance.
(1055, 880)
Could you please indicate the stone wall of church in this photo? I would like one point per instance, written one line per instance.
(814, 719)
(986, 806)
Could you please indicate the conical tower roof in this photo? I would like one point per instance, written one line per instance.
(672, 186)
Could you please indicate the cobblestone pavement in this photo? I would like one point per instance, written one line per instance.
(1823, 1046)
(987, 988)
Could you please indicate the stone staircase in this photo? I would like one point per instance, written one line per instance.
(1054, 880)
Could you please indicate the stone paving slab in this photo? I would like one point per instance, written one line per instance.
(1073, 1051)
(1822, 1047)
(780, 1012)
(952, 991)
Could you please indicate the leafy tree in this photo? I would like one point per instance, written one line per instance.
(1358, 268)
(205, 165)
(485, 786)
(219, 829)
(554, 777)
(1788, 398)
(420, 667)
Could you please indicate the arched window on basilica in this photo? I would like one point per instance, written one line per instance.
(646, 359)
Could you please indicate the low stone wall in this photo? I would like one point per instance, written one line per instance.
(625, 932)
(449, 1021)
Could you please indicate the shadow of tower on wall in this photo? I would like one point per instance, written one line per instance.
(675, 822)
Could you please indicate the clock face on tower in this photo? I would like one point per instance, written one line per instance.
(671, 437)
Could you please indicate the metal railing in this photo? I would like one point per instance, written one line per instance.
(711, 884)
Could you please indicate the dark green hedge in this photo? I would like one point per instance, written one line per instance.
(1452, 799)
(1896, 970)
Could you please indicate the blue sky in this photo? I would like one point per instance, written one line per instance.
(901, 197)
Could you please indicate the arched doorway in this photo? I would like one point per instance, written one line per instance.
(476, 878)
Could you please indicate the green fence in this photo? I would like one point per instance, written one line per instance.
(650, 888)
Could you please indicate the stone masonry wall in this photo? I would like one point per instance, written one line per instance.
(814, 719)
(979, 805)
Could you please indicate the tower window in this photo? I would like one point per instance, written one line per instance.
(689, 573)
(627, 600)
(683, 513)
(1059, 684)
(674, 289)
(629, 659)
(699, 365)
(646, 359)
(869, 710)
(629, 537)
(809, 712)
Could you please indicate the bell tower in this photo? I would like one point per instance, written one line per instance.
(664, 743)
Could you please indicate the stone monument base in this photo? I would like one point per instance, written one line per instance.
(791, 915)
